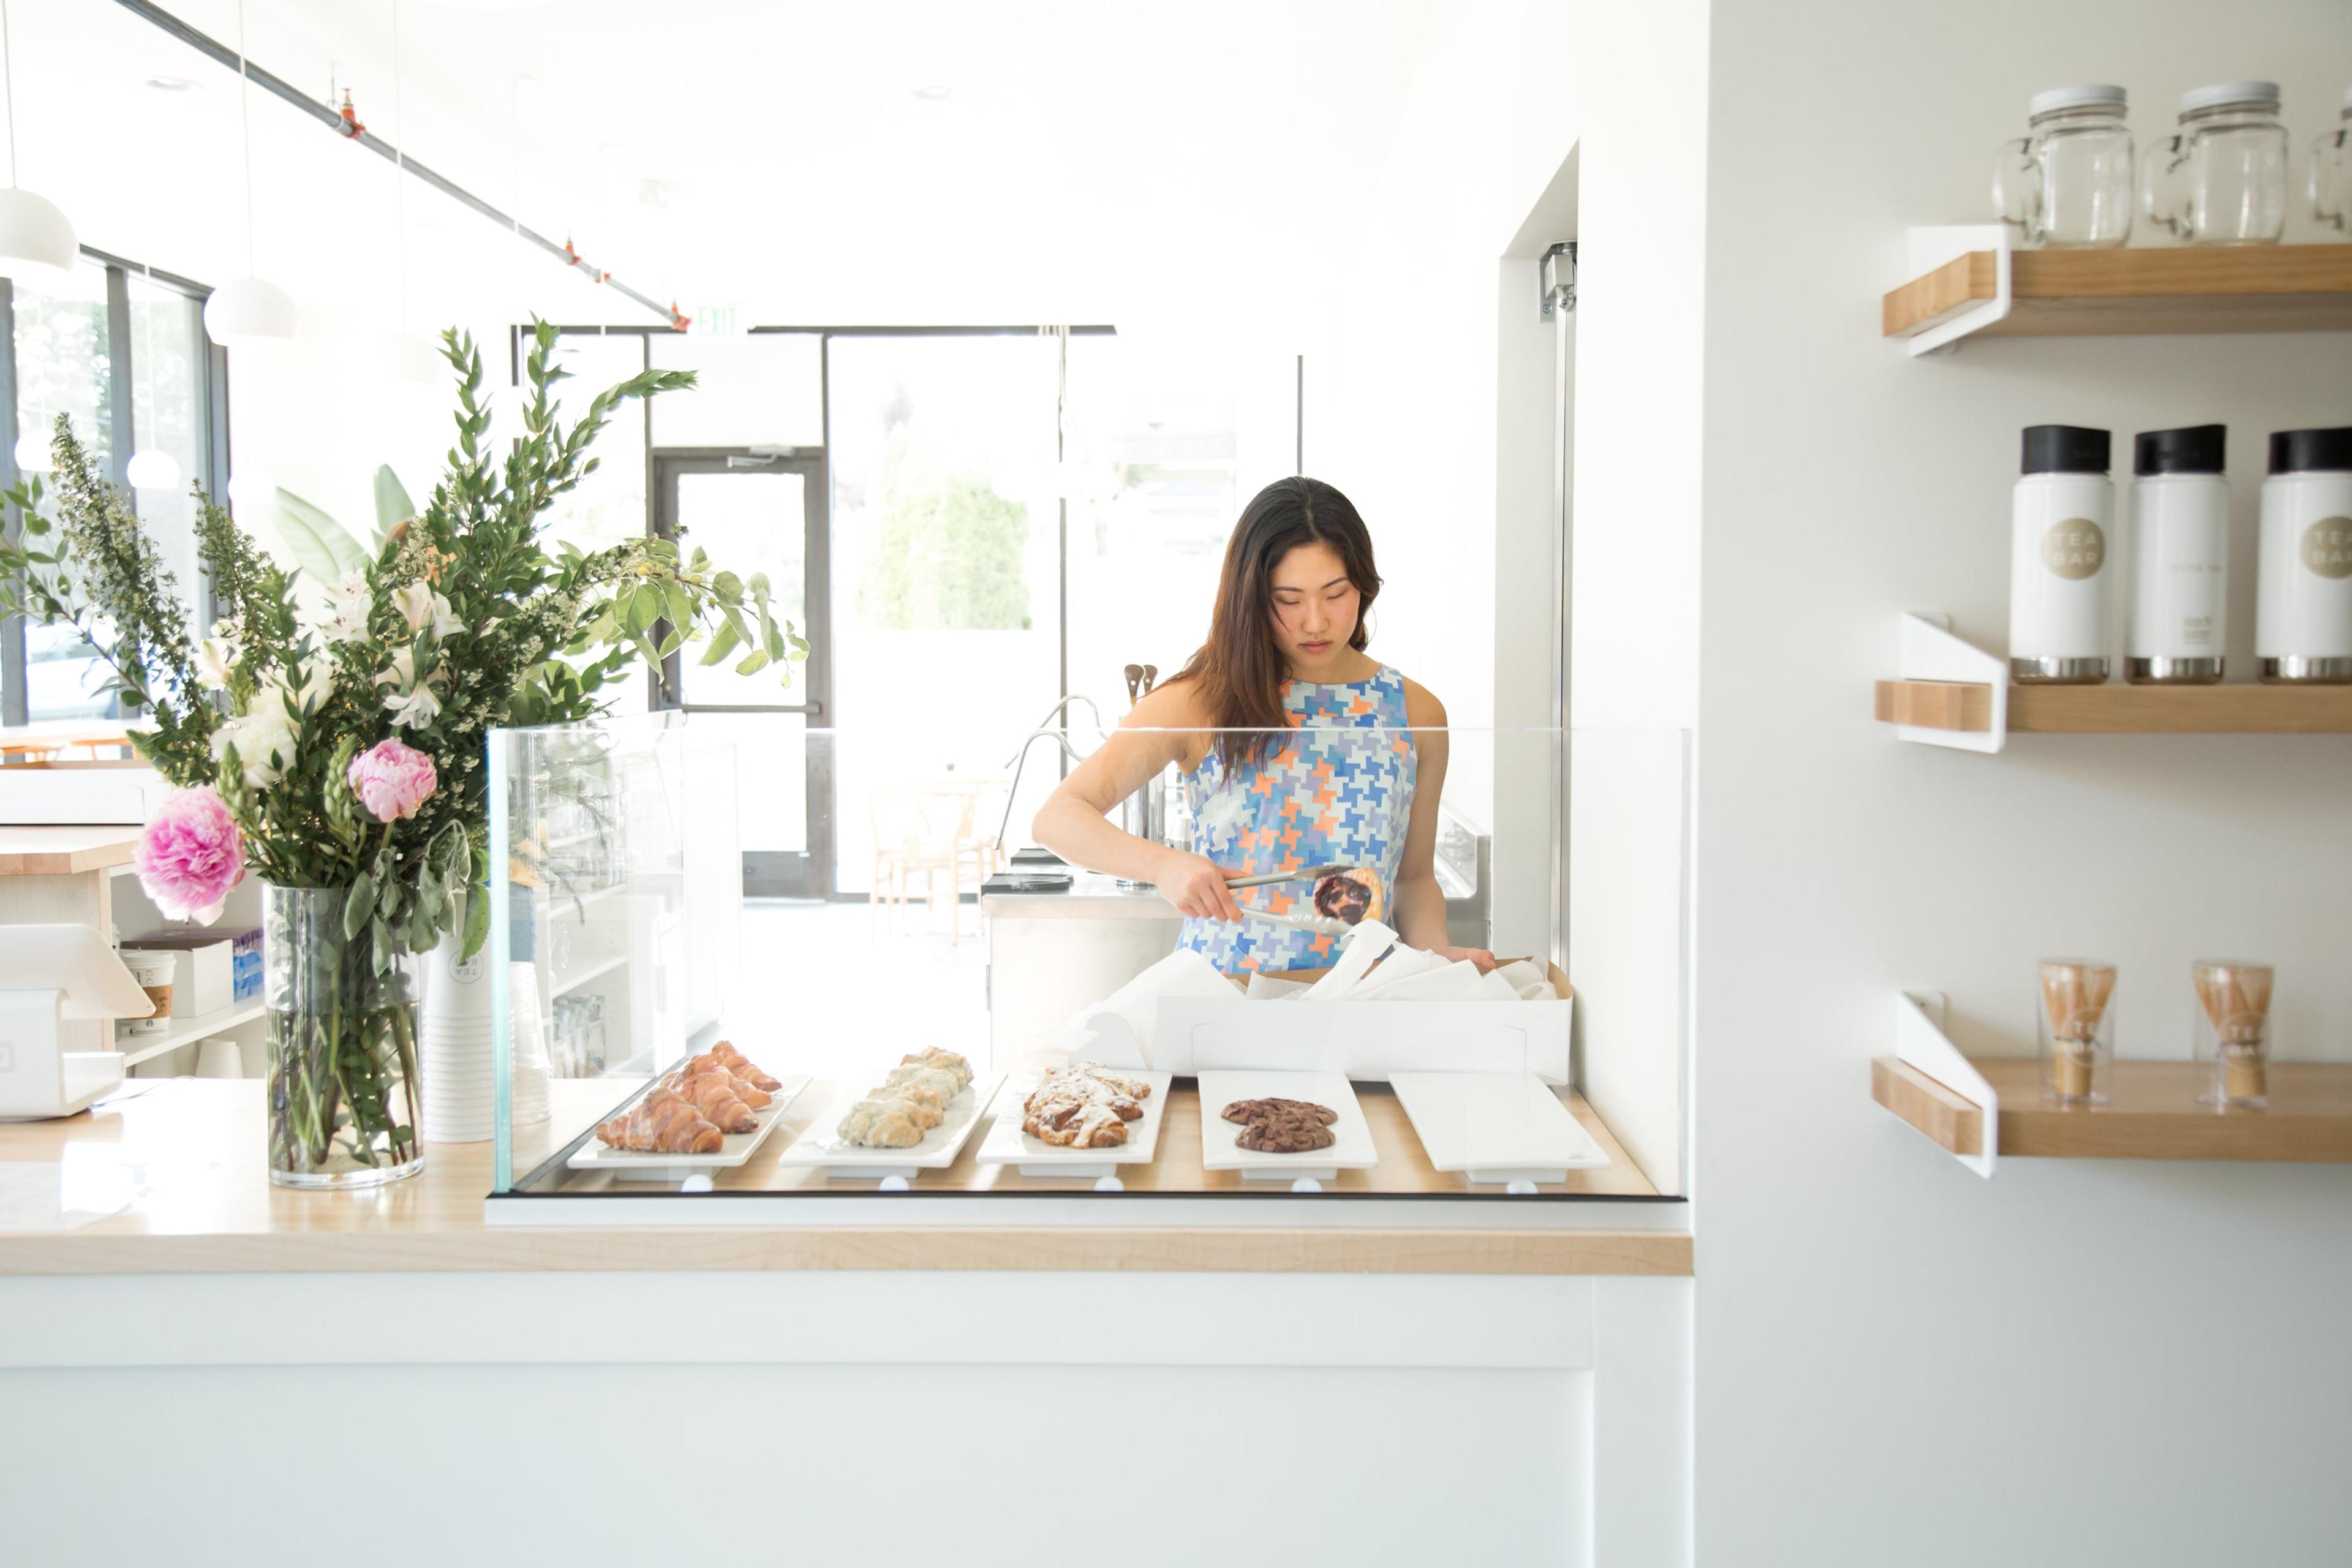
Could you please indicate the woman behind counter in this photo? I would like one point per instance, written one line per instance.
(1347, 784)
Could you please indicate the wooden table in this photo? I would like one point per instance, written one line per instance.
(179, 1168)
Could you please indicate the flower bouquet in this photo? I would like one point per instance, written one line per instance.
(340, 754)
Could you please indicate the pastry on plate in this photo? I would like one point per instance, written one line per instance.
(740, 1065)
(1073, 1123)
(661, 1123)
(713, 1094)
(1285, 1132)
(1248, 1111)
(947, 1061)
(927, 1086)
(882, 1124)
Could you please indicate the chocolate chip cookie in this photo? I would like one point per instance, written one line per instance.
(1284, 1133)
(1248, 1111)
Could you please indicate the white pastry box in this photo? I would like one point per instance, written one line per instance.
(1367, 1040)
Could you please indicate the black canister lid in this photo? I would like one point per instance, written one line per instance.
(2192, 449)
(2311, 451)
(2065, 450)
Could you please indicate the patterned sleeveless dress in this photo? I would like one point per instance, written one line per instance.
(1340, 790)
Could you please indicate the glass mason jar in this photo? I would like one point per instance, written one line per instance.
(342, 1047)
(2222, 178)
(2330, 182)
(2068, 181)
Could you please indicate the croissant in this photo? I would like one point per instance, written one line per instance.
(740, 1065)
(713, 1094)
(661, 1123)
(709, 1062)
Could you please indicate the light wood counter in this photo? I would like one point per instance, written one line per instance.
(172, 1181)
(64, 851)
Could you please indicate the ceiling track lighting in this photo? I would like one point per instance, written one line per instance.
(37, 240)
(360, 136)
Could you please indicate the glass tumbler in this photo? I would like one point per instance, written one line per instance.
(2077, 1030)
(2232, 1029)
(2220, 179)
(2068, 181)
(2330, 182)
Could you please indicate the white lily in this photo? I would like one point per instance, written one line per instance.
(402, 672)
(416, 710)
(213, 657)
(350, 603)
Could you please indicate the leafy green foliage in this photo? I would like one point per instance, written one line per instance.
(948, 556)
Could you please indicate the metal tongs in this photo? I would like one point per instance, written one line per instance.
(1304, 874)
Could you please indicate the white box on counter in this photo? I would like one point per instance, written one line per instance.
(1366, 1040)
(204, 975)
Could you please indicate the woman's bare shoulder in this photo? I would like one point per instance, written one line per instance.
(1175, 706)
(1422, 710)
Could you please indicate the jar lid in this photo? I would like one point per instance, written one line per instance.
(2050, 101)
(2192, 449)
(2311, 451)
(2217, 95)
(2065, 450)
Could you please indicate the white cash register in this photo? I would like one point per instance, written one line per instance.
(49, 974)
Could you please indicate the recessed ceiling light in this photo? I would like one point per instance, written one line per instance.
(171, 84)
(932, 92)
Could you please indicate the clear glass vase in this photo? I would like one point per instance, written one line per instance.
(342, 1047)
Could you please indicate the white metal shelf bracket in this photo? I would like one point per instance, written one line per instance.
(1929, 248)
(1929, 651)
(1920, 1042)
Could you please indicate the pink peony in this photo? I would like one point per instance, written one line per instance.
(392, 779)
(190, 856)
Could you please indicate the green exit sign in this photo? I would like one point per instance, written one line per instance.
(716, 321)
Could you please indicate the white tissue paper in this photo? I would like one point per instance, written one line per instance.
(1266, 988)
(1363, 947)
(1528, 981)
(1118, 1030)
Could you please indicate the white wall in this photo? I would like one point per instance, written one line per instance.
(2079, 1361)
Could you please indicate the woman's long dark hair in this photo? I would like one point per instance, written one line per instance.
(1240, 669)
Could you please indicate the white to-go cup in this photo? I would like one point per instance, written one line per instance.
(152, 972)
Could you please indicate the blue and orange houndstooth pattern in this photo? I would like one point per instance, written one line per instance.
(1340, 790)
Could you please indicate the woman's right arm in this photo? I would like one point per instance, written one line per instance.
(1075, 822)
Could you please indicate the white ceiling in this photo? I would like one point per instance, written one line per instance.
(1092, 161)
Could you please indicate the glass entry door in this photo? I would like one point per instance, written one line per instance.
(763, 513)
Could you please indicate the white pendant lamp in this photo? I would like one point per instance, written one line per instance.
(247, 309)
(36, 237)
(152, 469)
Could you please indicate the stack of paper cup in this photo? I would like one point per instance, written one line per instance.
(456, 1051)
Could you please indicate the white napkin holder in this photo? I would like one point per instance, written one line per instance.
(49, 974)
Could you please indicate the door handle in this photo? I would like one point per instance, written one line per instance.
(757, 461)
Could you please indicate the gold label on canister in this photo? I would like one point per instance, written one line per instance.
(2074, 548)
(2326, 547)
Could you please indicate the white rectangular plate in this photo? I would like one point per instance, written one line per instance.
(632, 1165)
(936, 1151)
(1007, 1145)
(1495, 1127)
(1220, 1149)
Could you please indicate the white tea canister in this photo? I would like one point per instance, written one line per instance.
(2179, 556)
(2060, 518)
(2303, 619)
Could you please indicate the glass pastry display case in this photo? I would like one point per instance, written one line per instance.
(915, 997)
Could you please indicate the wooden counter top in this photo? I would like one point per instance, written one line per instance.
(64, 851)
(171, 1180)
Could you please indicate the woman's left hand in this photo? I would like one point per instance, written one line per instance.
(1477, 955)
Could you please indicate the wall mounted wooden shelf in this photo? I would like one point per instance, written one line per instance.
(2120, 708)
(2154, 1113)
(2076, 293)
